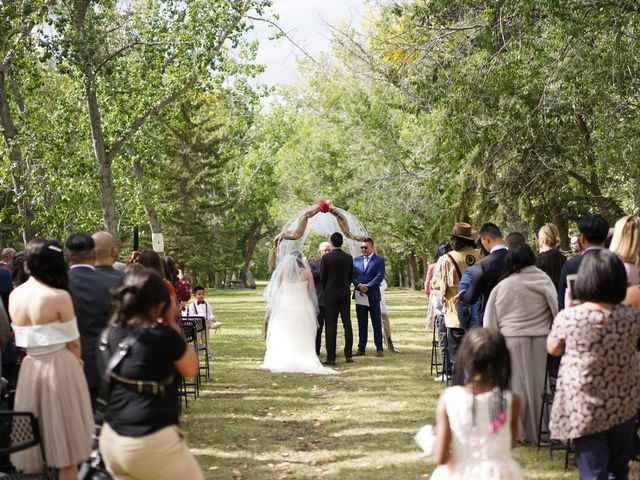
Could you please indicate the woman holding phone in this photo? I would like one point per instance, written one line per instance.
(597, 394)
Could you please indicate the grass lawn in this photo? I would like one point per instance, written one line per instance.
(251, 424)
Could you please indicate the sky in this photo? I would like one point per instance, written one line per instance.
(305, 22)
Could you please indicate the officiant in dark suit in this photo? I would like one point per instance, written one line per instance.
(368, 275)
(323, 249)
(91, 301)
(336, 273)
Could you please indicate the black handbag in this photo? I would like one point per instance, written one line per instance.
(94, 468)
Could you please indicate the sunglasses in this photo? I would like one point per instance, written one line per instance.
(364, 248)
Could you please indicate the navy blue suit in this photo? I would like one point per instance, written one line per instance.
(372, 277)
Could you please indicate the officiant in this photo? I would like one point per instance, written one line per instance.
(325, 247)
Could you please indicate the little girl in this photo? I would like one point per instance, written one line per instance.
(477, 422)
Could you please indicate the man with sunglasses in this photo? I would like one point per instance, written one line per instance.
(368, 272)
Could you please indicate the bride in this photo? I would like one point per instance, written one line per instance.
(293, 308)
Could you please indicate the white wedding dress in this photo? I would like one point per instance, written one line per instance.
(291, 332)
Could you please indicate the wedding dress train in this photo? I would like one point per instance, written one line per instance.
(291, 333)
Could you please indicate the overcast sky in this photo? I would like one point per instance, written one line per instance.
(303, 21)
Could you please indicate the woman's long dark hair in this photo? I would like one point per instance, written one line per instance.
(151, 259)
(136, 296)
(483, 353)
(44, 261)
(520, 255)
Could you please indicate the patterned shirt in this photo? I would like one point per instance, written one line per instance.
(598, 384)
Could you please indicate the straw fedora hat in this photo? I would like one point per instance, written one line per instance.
(464, 230)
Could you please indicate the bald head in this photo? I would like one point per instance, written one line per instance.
(105, 248)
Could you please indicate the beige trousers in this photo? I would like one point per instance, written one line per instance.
(161, 455)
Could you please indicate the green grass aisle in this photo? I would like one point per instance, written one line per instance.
(251, 424)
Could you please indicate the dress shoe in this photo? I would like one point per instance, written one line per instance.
(379, 353)
(330, 363)
(358, 354)
(349, 360)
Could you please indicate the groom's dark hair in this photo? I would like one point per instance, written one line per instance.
(336, 239)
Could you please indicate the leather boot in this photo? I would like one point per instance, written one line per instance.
(390, 346)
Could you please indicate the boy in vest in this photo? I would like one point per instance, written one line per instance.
(446, 279)
(201, 308)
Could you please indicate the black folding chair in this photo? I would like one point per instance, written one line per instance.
(20, 431)
(190, 337)
(202, 344)
(544, 435)
(436, 361)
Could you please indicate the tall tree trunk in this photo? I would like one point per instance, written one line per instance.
(149, 207)
(413, 274)
(107, 191)
(254, 237)
(18, 170)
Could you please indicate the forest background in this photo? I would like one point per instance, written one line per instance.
(123, 113)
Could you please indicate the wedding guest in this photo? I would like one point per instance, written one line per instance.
(486, 276)
(201, 308)
(368, 273)
(92, 303)
(435, 314)
(593, 232)
(314, 266)
(574, 244)
(550, 259)
(598, 394)
(521, 307)
(141, 438)
(625, 243)
(180, 284)
(151, 259)
(134, 257)
(18, 272)
(469, 315)
(106, 256)
(446, 279)
(514, 238)
(51, 383)
(477, 425)
(6, 257)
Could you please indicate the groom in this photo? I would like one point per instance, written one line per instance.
(369, 273)
(336, 273)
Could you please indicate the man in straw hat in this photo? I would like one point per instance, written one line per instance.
(446, 278)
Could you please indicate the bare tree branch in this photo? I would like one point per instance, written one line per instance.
(285, 34)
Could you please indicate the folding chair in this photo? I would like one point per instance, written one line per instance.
(548, 394)
(20, 431)
(436, 361)
(202, 344)
(190, 337)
